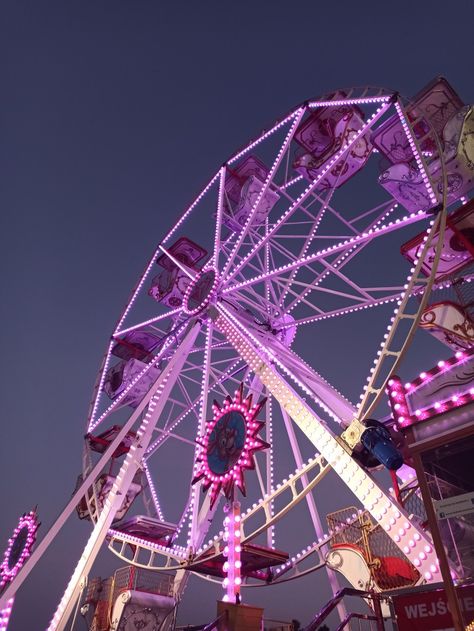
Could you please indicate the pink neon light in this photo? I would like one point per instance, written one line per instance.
(298, 116)
(365, 236)
(447, 365)
(416, 153)
(397, 393)
(265, 135)
(30, 522)
(357, 101)
(234, 476)
(209, 296)
(232, 551)
(190, 209)
(5, 614)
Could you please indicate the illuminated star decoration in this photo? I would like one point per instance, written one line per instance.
(228, 445)
(19, 547)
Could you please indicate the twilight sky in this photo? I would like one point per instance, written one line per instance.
(112, 116)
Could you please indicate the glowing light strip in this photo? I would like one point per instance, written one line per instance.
(217, 234)
(271, 355)
(191, 208)
(394, 519)
(155, 360)
(380, 111)
(283, 187)
(441, 366)
(263, 190)
(269, 430)
(365, 236)
(140, 325)
(203, 400)
(122, 481)
(232, 551)
(263, 137)
(397, 393)
(176, 552)
(98, 394)
(357, 101)
(419, 159)
(197, 401)
(5, 614)
(339, 262)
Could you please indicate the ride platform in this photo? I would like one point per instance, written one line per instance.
(256, 561)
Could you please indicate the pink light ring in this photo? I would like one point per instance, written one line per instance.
(209, 297)
(265, 135)
(390, 227)
(29, 521)
(356, 101)
(191, 208)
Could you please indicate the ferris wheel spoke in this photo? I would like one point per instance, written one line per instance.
(335, 313)
(309, 190)
(367, 489)
(220, 204)
(335, 249)
(307, 243)
(117, 402)
(193, 407)
(310, 501)
(347, 255)
(266, 134)
(169, 314)
(280, 156)
(190, 208)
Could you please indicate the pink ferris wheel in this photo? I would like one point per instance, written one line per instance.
(252, 358)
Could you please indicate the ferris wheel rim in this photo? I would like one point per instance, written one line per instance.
(219, 177)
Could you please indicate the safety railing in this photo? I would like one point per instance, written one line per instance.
(377, 617)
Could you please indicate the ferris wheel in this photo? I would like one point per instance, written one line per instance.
(277, 299)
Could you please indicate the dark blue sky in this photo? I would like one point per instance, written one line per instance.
(112, 116)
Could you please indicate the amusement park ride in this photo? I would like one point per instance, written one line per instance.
(324, 244)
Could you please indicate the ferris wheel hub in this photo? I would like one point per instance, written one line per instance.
(201, 291)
